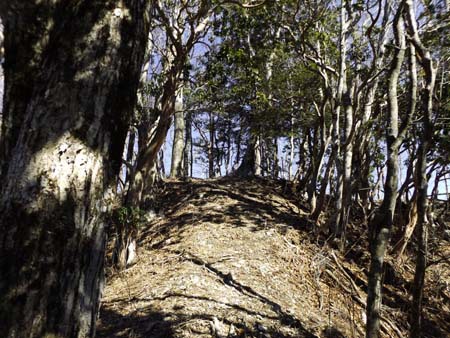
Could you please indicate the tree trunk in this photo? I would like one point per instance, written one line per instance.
(275, 165)
(23, 45)
(249, 164)
(211, 146)
(318, 162)
(125, 248)
(188, 155)
(421, 166)
(291, 151)
(257, 150)
(156, 136)
(347, 169)
(176, 169)
(129, 157)
(410, 225)
(381, 225)
(66, 158)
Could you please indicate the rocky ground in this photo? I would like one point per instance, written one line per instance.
(233, 258)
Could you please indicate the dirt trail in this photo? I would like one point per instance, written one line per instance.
(225, 258)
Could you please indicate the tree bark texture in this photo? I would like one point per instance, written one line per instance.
(22, 57)
(63, 154)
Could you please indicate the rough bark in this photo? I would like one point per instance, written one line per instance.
(23, 54)
(381, 225)
(66, 158)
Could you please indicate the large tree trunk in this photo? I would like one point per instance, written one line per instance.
(68, 143)
(250, 165)
(23, 55)
(381, 225)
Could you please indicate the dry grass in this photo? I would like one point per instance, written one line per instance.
(227, 258)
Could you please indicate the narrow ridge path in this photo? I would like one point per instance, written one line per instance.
(230, 258)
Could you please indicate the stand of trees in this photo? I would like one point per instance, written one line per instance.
(332, 95)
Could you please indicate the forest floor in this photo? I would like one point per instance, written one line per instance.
(233, 258)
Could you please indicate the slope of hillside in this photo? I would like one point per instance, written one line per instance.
(230, 258)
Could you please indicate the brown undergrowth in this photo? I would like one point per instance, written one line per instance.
(233, 258)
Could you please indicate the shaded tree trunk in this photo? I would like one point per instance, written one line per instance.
(249, 164)
(67, 154)
(23, 45)
(129, 157)
(188, 154)
(275, 165)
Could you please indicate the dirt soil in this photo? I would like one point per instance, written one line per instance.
(233, 258)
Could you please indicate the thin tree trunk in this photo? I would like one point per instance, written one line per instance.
(291, 151)
(400, 246)
(421, 174)
(66, 159)
(257, 150)
(347, 172)
(325, 140)
(129, 157)
(341, 91)
(315, 215)
(125, 248)
(275, 165)
(176, 169)
(188, 160)
(149, 151)
(211, 146)
(381, 225)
